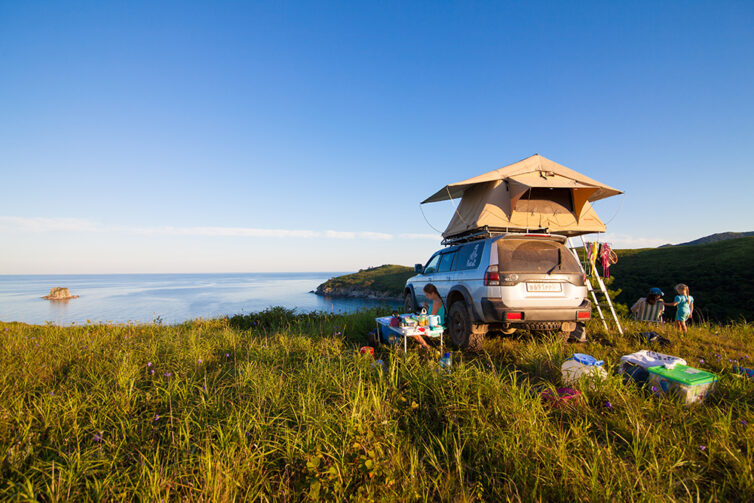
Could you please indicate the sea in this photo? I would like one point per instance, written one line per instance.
(165, 298)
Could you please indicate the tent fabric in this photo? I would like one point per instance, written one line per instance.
(532, 194)
(527, 170)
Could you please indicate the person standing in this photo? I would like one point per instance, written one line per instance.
(684, 304)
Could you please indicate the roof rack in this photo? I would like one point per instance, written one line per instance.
(486, 232)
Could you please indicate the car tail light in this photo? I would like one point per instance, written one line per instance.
(585, 315)
(491, 276)
(514, 316)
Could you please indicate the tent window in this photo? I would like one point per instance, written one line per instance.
(536, 196)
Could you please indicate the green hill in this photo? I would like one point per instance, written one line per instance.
(385, 281)
(719, 275)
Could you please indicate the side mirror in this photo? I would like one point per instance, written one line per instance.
(418, 268)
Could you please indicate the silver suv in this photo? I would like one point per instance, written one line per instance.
(503, 283)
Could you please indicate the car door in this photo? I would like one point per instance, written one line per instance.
(443, 276)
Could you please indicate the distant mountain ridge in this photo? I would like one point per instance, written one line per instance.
(714, 238)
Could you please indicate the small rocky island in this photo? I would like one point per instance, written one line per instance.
(59, 293)
(383, 282)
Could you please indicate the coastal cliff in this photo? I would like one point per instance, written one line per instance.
(383, 282)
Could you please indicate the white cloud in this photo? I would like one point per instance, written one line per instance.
(375, 236)
(41, 224)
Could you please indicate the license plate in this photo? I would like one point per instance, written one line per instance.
(544, 287)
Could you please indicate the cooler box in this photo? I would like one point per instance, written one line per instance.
(688, 384)
(634, 366)
(581, 365)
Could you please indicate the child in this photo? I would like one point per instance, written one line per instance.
(684, 306)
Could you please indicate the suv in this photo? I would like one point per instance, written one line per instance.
(503, 283)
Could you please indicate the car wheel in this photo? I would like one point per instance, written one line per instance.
(462, 333)
(408, 303)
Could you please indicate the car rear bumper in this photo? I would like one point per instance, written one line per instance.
(495, 311)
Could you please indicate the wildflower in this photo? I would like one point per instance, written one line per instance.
(7, 329)
(97, 437)
(702, 448)
(149, 364)
(168, 374)
(718, 356)
(200, 360)
(608, 405)
(743, 422)
(204, 388)
(227, 355)
(156, 417)
(152, 371)
(701, 360)
(654, 389)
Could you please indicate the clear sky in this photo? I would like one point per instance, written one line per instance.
(301, 136)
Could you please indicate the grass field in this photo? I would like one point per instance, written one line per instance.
(274, 406)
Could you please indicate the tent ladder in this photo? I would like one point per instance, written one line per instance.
(604, 292)
(588, 285)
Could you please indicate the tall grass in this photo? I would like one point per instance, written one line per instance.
(278, 406)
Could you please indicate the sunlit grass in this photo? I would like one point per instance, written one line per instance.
(278, 406)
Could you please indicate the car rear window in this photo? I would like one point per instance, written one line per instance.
(535, 256)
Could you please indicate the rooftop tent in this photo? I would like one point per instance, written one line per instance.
(532, 194)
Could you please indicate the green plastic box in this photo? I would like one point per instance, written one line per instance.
(688, 384)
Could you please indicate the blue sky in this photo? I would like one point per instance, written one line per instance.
(301, 136)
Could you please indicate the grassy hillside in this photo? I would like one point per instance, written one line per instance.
(278, 407)
(386, 279)
(720, 276)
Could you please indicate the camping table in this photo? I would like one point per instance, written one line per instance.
(383, 324)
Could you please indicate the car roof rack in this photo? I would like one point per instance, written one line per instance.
(486, 232)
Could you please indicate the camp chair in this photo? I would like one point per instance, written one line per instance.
(647, 312)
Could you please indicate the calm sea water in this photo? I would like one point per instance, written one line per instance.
(172, 298)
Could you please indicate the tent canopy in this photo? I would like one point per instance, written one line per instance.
(535, 193)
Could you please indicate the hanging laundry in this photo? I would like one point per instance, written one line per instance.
(607, 258)
(592, 254)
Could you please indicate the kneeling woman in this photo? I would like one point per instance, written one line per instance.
(436, 309)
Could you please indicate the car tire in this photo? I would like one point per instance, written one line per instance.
(408, 303)
(461, 332)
